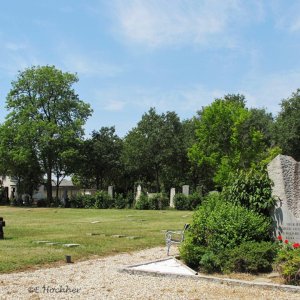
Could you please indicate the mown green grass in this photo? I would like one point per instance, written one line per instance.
(26, 226)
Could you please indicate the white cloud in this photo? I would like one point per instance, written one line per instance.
(157, 23)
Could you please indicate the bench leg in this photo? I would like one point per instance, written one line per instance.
(168, 248)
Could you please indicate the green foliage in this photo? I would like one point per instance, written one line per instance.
(192, 252)
(251, 189)
(218, 225)
(120, 201)
(181, 202)
(287, 126)
(195, 200)
(155, 202)
(99, 159)
(102, 200)
(288, 264)
(155, 151)
(158, 201)
(76, 201)
(142, 202)
(46, 117)
(229, 137)
(42, 203)
(190, 202)
(250, 257)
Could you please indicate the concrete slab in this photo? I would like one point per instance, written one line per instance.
(164, 266)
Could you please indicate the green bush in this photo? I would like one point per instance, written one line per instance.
(42, 203)
(155, 202)
(88, 201)
(190, 202)
(76, 201)
(252, 257)
(251, 189)
(181, 202)
(194, 200)
(142, 202)
(217, 226)
(288, 264)
(158, 201)
(119, 201)
(103, 200)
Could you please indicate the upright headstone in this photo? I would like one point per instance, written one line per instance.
(138, 193)
(172, 194)
(186, 190)
(110, 191)
(284, 171)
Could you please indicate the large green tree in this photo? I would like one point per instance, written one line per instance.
(18, 159)
(99, 161)
(229, 137)
(287, 126)
(154, 152)
(45, 111)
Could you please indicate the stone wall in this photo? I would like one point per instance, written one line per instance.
(284, 171)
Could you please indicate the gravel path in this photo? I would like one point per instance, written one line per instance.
(100, 279)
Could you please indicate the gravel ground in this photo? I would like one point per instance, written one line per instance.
(100, 279)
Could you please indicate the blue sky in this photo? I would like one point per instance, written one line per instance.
(175, 55)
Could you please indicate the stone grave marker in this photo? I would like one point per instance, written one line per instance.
(186, 190)
(138, 193)
(172, 194)
(110, 191)
(284, 171)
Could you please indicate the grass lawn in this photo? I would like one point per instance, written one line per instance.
(93, 229)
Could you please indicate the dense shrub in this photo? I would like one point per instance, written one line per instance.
(142, 202)
(251, 189)
(158, 201)
(42, 203)
(155, 202)
(288, 264)
(252, 257)
(190, 202)
(103, 200)
(217, 226)
(181, 202)
(119, 201)
(100, 199)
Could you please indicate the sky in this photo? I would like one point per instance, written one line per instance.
(174, 55)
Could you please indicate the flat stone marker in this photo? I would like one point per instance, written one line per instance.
(42, 242)
(118, 235)
(94, 222)
(94, 233)
(53, 243)
(71, 245)
(133, 237)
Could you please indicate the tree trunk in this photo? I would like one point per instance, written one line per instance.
(57, 187)
(157, 180)
(97, 182)
(49, 185)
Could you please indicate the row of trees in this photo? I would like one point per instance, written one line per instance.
(42, 140)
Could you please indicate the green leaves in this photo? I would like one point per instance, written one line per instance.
(229, 137)
(46, 116)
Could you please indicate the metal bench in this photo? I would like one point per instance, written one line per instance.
(175, 237)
